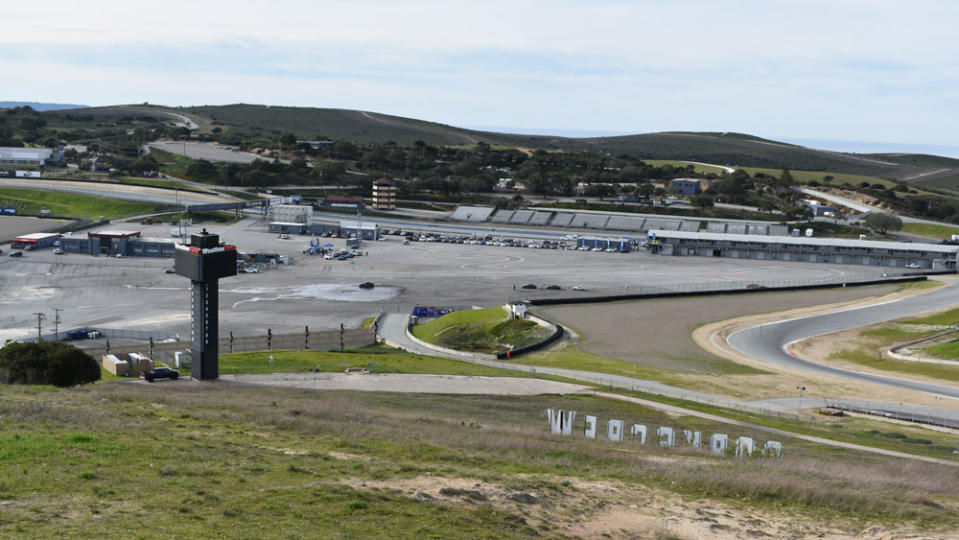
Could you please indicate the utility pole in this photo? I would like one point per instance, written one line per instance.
(56, 323)
(40, 317)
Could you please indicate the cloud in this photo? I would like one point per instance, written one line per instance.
(851, 69)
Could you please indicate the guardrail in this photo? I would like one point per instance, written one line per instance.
(707, 289)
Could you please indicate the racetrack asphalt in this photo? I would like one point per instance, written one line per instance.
(770, 342)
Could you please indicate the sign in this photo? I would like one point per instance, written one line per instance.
(561, 423)
(8, 211)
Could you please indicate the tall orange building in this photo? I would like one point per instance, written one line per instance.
(384, 194)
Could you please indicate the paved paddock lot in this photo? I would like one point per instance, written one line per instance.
(13, 226)
(136, 293)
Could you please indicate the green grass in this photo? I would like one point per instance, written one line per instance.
(225, 460)
(856, 430)
(682, 164)
(171, 164)
(480, 330)
(949, 317)
(367, 322)
(946, 351)
(805, 177)
(929, 230)
(214, 217)
(925, 369)
(376, 362)
(30, 201)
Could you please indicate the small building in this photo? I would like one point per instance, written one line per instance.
(384, 194)
(290, 213)
(110, 241)
(686, 186)
(33, 241)
(365, 230)
(31, 157)
(343, 201)
(123, 243)
(818, 209)
(621, 245)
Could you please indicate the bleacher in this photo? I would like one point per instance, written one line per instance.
(589, 221)
(663, 224)
(735, 228)
(625, 223)
(521, 217)
(755, 228)
(778, 230)
(689, 226)
(540, 218)
(562, 219)
(716, 227)
(502, 216)
(473, 214)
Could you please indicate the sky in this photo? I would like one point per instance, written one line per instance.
(880, 71)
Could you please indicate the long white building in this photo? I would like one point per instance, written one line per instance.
(805, 249)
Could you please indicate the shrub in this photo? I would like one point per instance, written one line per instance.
(47, 362)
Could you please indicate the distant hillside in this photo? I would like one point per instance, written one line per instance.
(39, 106)
(733, 149)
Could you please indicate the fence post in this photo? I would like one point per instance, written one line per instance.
(269, 339)
(306, 338)
(342, 345)
(108, 346)
(231, 340)
(150, 354)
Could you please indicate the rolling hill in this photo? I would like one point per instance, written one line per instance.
(733, 149)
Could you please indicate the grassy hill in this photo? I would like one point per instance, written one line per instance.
(732, 149)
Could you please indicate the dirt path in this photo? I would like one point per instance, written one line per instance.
(418, 383)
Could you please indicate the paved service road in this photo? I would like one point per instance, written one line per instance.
(770, 341)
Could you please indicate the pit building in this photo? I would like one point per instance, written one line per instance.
(936, 257)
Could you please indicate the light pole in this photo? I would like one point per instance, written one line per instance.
(40, 318)
(56, 323)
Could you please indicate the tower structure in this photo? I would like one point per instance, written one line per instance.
(204, 261)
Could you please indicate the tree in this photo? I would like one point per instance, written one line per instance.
(47, 362)
(883, 222)
(702, 201)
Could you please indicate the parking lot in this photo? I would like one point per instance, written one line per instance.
(137, 293)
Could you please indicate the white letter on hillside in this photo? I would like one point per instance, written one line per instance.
(693, 438)
(774, 449)
(745, 446)
(560, 423)
(614, 430)
(718, 443)
(641, 431)
(590, 427)
(667, 437)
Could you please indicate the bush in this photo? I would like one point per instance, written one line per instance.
(47, 362)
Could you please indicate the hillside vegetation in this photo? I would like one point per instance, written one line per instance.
(732, 149)
(184, 459)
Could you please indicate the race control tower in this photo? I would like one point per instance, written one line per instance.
(205, 260)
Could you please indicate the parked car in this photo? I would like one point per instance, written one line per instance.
(161, 373)
(578, 288)
(913, 265)
(16, 254)
(554, 287)
(58, 251)
(529, 286)
(367, 285)
(170, 271)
